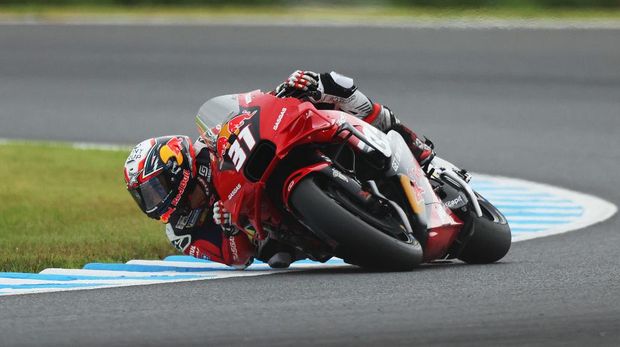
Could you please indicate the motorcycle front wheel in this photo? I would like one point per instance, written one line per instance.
(358, 241)
(490, 237)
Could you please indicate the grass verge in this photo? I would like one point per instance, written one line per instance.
(63, 207)
(298, 13)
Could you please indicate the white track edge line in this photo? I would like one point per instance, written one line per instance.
(128, 283)
(596, 210)
(76, 145)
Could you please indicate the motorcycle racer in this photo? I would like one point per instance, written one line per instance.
(169, 177)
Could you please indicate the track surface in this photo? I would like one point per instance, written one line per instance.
(543, 105)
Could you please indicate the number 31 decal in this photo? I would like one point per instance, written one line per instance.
(238, 151)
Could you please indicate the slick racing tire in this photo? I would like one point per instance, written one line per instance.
(490, 237)
(358, 242)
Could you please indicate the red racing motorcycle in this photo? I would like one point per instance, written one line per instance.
(330, 184)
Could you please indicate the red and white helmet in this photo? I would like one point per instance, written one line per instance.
(160, 173)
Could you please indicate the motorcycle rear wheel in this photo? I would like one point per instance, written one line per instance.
(359, 243)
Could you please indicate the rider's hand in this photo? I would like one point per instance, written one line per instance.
(332, 87)
(221, 217)
(302, 81)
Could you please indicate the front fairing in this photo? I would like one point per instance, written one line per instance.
(403, 162)
(238, 126)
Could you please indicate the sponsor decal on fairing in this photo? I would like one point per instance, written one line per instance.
(454, 202)
(233, 249)
(234, 191)
(290, 186)
(279, 119)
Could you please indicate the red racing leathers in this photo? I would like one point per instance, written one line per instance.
(197, 235)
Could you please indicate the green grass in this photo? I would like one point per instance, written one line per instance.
(64, 207)
(303, 13)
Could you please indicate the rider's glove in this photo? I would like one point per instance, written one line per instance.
(221, 217)
(301, 81)
(330, 88)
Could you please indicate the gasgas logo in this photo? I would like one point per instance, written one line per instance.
(279, 119)
(233, 248)
(234, 191)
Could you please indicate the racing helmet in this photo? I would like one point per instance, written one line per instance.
(160, 173)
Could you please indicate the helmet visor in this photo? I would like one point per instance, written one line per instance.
(150, 194)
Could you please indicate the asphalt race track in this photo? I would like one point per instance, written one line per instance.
(542, 105)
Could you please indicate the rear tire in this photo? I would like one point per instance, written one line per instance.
(359, 243)
(490, 239)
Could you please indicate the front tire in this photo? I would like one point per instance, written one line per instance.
(490, 237)
(359, 243)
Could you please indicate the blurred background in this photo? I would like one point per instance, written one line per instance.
(432, 3)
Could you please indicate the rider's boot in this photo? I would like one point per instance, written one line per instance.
(422, 150)
(276, 254)
(280, 260)
(384, 119)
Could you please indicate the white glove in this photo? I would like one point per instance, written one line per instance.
(221, 217)
(331, 88)
(300, 80)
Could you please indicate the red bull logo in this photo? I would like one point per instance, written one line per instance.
(172, 150)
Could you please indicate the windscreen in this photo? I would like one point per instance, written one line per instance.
(214, 112)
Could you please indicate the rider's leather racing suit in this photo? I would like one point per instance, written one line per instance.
(197, 234)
